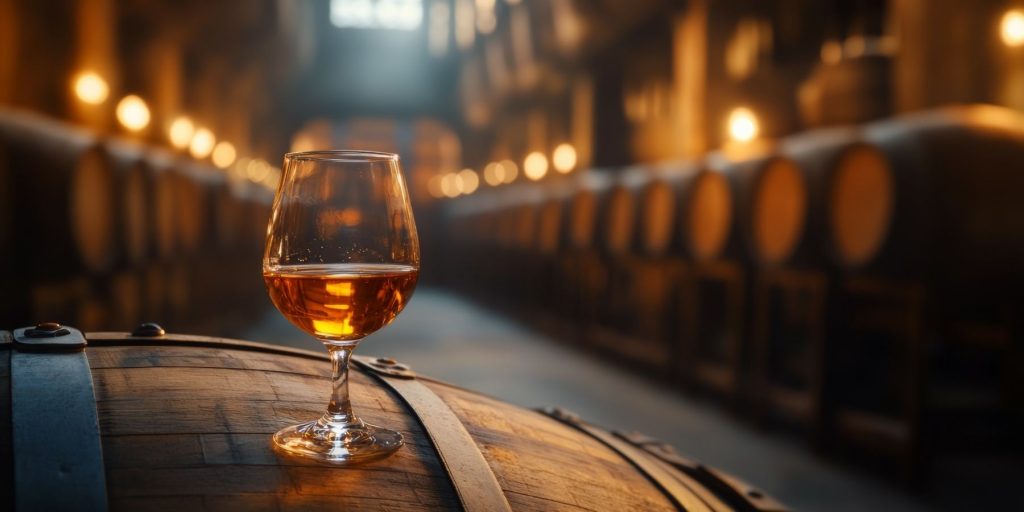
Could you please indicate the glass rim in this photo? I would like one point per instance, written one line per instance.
(342, 155)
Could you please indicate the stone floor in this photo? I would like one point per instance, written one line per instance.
(448, 337)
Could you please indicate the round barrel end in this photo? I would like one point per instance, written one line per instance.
(862, 195)
(92, 215)
(525, 225)
(779, 211)
(659, 207)
(709, 216)
(548, 227)
(165, 213)
(620, 220)
(582, 219)
(135, 204)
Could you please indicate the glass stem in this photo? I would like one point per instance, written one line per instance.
(340, 408)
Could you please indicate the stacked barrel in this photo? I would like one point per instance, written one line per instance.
(848, 282)
(105, 233)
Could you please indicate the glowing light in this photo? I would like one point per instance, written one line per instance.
(273, 179)
(133, 113)
(224, 154)
(181, 131)
(564, 158)
(464, 30)
(91, 88)
(434, 186)
(511, 170)
(494, 174)
(451, 184)
(237, 172)
(831, 52)
(486, 21)
(470, 181)
(303, 142)
(1012, 28)
(201, 144)
(440, 25)
(535, 166)
(387, 14)
(743, 125)
(258, 169)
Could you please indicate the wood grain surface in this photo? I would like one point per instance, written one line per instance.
(188, 428)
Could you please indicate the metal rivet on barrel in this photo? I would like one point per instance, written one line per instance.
(386, 360)
(148, 330)
(47, 330)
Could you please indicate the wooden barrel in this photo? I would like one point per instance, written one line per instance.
(64, 207)
(850, 184)
(134, 197)
(770, 203)
(616, 227)
(164, 207)
(12, 307)
(853, 90)
(525, 211)
(184, 422)
(552, 221)
(956, 216)
(588, 209)
(227, 213)
(682, 207)
(193, 193)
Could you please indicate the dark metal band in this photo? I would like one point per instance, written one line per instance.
(58, 456)
(472, 477)
(685, 494)
(691, 485)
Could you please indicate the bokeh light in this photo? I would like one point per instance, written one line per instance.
(494, 174)
(535, 165)
(91, 88)
(133, 113)
(564, 158)
(743, 125)
(202, 144)
(470, 181)
(1012, 28)
(510, 170)
(224, 154)
(181, 131)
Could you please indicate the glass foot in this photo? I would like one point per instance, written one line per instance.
(338, 444)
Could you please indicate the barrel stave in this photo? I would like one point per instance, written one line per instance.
(190, 424)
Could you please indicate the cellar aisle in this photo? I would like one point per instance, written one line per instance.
(446, 336)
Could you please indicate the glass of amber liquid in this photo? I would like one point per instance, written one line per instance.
(342, 260)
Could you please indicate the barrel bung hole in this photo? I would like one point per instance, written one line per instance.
(780, 208)
(709, 216)
(862, 195)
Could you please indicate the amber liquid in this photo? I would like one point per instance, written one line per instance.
(341, 302)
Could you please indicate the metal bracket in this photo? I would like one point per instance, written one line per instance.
(470, 474)
(149, 330)
(48, 337)
(384, 366)
(563, 415)
(733, 490)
